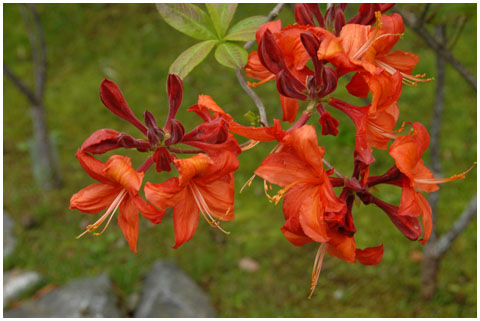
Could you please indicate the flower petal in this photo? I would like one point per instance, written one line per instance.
(369, 256)
(341, 246)
(94, 198)
(290, 108)
(93, 167)
(185, 218)
(164, 195)
(311, 216)
(119, 169)
(148, 211)
(128, 222)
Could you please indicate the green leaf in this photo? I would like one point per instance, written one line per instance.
(221, 14)
(231, 55)
(245, 29)
(187, 18)
(191, 57)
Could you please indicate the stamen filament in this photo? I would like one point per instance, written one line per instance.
(317, 267)
(204, 209)
(445, 179)
(109, 213)
(248, 182)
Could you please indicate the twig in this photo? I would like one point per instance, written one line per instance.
(436, 125)
(424, 13)
(20, 85)
(326, 163)
(258, 102)
(412, 22)
(37, 42)
(460, 224)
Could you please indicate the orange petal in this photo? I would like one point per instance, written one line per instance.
(284, 168)
(119, 169)
(311, 217)
(128, 222)
(289, 108)
(93, 167)
(295, 239)
(304, 141)
(164, 195)
(148, 211)
(369, 256)
(341, 246)
(191, 167)
(94, 198)
(185, 218)
(401, 61)
(210, 104)
(219, 197)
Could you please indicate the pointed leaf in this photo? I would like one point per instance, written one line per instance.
(245, 29)
(191, 57)
(221, 14)
(187, 18)
(231, 55)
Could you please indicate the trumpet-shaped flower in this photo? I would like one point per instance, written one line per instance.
(205, 184)
(118, 189)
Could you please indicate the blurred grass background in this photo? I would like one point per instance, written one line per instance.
(131, 45)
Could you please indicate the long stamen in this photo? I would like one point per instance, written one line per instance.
(204, 209)
(248, 183)
(317, 267)
(256, 84)
(109, 213)
(444, 180)
(249, 145)
(407, 79)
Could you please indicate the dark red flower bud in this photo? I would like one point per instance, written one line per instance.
(101, 141)
(212, 132)
(339, 20)
(162, 158)
(176, 131)
(127, 141)
(328, 122)
(304, 14)
(270, 54)
(408, 225)
(329, 83)
(175, 94)
(289, 86)
(154, 134)
(113, 99)
(366, 13)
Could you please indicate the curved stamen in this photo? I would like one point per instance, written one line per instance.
(205, 210)
(109, 213)
(317, 267)
(444, 180)
(256, 84)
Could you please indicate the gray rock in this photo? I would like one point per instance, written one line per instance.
(17, 282)
(9, 241)
(87, 297)
(169, 293)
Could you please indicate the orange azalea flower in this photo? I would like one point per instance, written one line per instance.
(119, 188)
(309, 196)
(407, 151)
(205, 184)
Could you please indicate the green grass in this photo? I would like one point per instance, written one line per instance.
(133, 46)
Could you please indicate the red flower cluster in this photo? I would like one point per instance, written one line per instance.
(313, 211)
